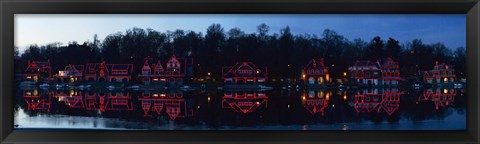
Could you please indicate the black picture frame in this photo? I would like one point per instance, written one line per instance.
(10, 7)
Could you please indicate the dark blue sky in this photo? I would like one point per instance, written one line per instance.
(449, 29)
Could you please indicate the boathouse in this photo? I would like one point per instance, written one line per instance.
(38, 71)
(375, 100)
(173, 102)
(243, 101)
(440, 97)
(366, 72)
(102, 72)
(35, 101)
(315, 72)
(173, 72)
(244, 73)
(383, 72)
(71, 74)
(441, 73)
(315, 101)
(390, 72)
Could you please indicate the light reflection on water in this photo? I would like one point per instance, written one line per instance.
(366, 109)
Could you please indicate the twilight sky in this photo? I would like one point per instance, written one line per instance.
(42, 29)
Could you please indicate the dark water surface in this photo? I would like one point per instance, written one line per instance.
(278, 109)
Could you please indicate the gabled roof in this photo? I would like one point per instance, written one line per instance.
(316, 64)
(367, 63)
(231, 71)
(150, 65)
(40, 104)
(244, 105)
(427, 73)
(38, 65)
(390, 106)
(146, 105)
(74, 101)
(158, 106)
(389, 63)
(365, 107)
(158, 66)
(179, 63)
(173, 59)
(92, 68)
(146, 65)
(75, 68)
(391, 101)
(316, 105)
(79, 68)
(173, 109)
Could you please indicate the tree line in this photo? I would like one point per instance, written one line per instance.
(283, 53)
